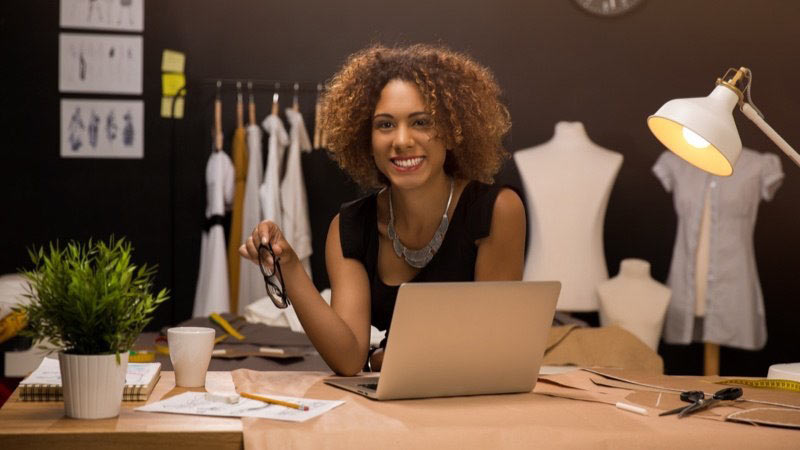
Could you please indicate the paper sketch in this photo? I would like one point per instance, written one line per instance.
(122, 15)
(91, 128)
(100, 63)
(197, 404)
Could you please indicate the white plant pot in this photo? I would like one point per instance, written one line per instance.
(92, 384)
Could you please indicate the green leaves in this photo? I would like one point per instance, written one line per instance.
(89, 298)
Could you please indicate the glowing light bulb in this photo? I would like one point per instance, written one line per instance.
(694, 139)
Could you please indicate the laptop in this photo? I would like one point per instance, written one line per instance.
(463, 338)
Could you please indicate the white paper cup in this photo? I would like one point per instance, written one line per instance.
(190, 352)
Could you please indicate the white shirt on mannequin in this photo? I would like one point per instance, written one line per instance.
(634, 301)
(567, 183)
(719, 257)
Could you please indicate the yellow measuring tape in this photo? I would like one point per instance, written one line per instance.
(764, 383)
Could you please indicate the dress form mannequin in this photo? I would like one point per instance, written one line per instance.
(634, 301)
(567, 183)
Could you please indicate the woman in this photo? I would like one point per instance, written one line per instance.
(424, 125)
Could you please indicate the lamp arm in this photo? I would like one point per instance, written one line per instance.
(753, 115)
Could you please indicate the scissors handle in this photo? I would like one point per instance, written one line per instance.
(731, 393)
(692, 396)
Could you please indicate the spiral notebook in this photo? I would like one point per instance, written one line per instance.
(44, 384)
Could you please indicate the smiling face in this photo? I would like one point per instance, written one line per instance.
(404, 143)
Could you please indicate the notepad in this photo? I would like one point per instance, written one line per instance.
(44, 384)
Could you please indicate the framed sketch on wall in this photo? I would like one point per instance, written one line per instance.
(102, 128)
(110, 64)
(120, 15)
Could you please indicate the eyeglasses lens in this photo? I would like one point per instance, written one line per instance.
(270, 268)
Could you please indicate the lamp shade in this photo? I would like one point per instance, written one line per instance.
(701, 130)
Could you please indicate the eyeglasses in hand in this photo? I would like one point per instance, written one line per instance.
(273, 277)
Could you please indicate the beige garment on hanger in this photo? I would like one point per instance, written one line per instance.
(239, 148)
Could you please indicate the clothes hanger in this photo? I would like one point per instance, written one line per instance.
(274, 111)
(296, 97)
(251, 105)
(218, 118)
(239, 105)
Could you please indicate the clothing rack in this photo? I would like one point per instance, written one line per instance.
(281, 86)
(225, 85)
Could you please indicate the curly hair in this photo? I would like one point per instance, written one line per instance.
(461, 95)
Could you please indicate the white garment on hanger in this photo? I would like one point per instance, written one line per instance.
(211, 294)
(251, 282)
(269, 192)
(270, 196)
(295, 224)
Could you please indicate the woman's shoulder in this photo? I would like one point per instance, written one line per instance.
(356, 218)
(478, 194)
(359, 206)
(481, 202)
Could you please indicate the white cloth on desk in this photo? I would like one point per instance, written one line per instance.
(251, 282)
(294, 201)
(211, 294)
(269, 192)
(264, 311)
(13, 287)
(734, 314)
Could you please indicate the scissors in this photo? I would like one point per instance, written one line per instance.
(699, 402)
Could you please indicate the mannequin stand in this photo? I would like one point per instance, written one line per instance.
(711, 361)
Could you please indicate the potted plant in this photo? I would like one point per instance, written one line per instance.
(90, 303)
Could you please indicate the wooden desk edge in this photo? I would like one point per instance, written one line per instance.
(52, 429)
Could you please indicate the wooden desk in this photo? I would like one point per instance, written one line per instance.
(41, 425)
(493, 421)
(487, 422)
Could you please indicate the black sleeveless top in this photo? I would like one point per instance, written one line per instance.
(455, 261)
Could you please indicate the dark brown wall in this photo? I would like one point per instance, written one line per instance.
(553, 61)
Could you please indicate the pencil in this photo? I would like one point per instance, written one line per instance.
(274, 401)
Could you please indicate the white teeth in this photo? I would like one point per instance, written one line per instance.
(407, 162)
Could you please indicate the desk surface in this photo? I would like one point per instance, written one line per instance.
(43, 424)
(493, 421)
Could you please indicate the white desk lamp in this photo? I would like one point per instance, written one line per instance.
(701, 130)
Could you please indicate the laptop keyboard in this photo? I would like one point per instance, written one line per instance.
(373, 386)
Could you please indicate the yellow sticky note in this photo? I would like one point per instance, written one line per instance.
(172, 61)
(166, 107)
(171, 83)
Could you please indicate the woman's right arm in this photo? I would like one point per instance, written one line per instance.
(339, 332)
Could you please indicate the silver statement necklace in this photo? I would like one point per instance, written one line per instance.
(420, 258)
